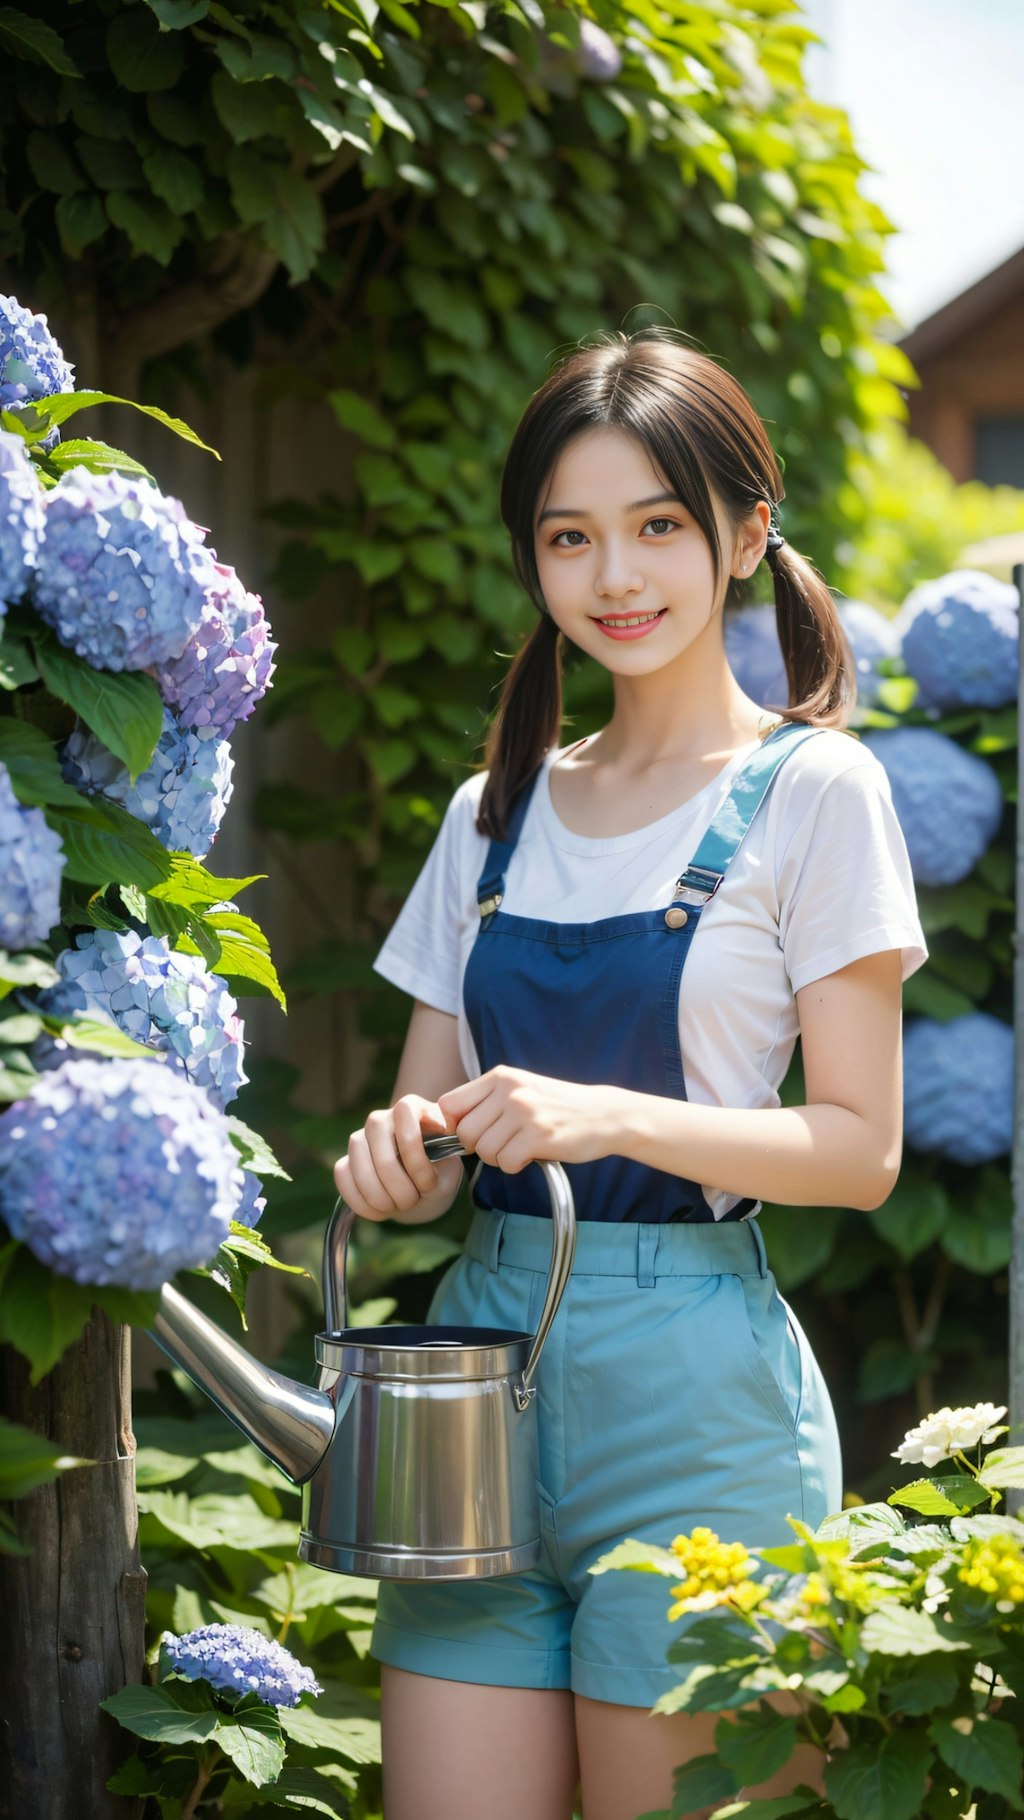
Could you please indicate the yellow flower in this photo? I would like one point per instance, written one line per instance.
(716, 1573)
(995, 1567)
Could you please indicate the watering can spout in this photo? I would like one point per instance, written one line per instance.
(291, 1423)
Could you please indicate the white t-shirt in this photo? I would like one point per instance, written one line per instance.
(821, 878)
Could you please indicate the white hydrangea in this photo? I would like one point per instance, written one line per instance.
(950, 1431)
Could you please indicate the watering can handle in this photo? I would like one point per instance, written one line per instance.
(563, 1246)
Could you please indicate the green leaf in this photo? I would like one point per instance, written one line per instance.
(913, 1216)
(175, 178)
(41, 1313)
(97, 1037)
(255, 1152)
(359, 414)
(242, 955)
(931, 1685)
(34, 767)
(295, 229)
(122, 708)
(644, 1557)
(26, 970)
(80, 220)
(27, 1460)
(702, 1782)
(884, 1780)
(190, 884)
(985, 1751)
(141, 56)
(16, 665)
(103, 844)
(175, 1713)
(897, 1630)
(756, 1744)
(253, 1740)
(98, 457)
(949, 1496)
(176, 14)
(1003, 1468)
(36, 42)
(303, 1790)
(52, 165)
(334, 1726)
(62, 405)
(150, 225)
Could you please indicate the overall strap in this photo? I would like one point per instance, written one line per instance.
(702, 877)
(491, 884)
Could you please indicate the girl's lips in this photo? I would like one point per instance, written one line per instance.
(624, 630)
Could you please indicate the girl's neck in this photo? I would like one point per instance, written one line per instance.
(665, 718)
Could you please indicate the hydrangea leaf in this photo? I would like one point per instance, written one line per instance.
(253, 1739)
(32, 39)
(28, 1460)
(255, 1152)
(122, 708)
(98, 457)
(331, 1727)
(190, 884)
(25, 970)
(175, 1713)
(41, 1313)
(34, 768)
(299, 1787)
(946, 1497)
(985, 1751)
(17, 1077)
(103, 844)
(16, 665)
(58, 408)
(241, 955)
(97, 1037)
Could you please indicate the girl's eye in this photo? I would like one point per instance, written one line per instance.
(668, 524)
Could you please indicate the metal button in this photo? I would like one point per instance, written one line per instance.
(676, 918)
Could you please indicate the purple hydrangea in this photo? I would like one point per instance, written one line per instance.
(118, 1172)
(949, 802)
(958, 1087)
(959, 640)
(120, 570)
(31, 363)
(241, 1661)
(754, 655)
(21, 519)
(169, 1001)
(181, 795)
(31, 864)
(226, 666)
(599, 56)
(253, 1202)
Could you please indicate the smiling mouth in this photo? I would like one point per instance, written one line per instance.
(618, 620)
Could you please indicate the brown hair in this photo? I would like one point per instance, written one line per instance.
(702, 434)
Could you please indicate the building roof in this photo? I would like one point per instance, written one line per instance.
(966, 310)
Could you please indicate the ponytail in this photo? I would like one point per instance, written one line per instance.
(526, 725)
(820, 667)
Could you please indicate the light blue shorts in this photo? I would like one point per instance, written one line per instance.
(676, 1388)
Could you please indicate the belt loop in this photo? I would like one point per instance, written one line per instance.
(492, 1247)
(646, 1252)
(758, 1237)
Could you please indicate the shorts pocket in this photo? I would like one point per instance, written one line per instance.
(773, 1347)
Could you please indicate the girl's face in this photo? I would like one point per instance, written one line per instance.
(625, 570)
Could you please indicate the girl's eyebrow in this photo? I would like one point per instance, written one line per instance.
(640, 506)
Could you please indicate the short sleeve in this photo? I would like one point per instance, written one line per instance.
(845, 884)
(422, 951)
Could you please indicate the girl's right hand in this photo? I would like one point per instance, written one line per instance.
(387, 1174)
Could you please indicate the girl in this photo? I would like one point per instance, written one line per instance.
(613, 948)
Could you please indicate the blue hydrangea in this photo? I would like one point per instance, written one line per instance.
(118, 1172)
(227, 664)
(754, 655)
(872, 638)
(120, 568)
(241, 1661)
(169, 1001)
(253, 1202)
(948, 801)
(31, 864)
(182, 794)
(21, 519)
(959, 640)
(31, 363)
(958, 1087)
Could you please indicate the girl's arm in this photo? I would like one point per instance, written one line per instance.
(841, 1149)
(386, 1174)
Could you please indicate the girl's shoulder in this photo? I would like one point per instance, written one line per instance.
(829, 755)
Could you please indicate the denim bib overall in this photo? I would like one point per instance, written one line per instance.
(676, 1387)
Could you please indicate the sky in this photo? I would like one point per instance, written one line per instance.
(933, 90)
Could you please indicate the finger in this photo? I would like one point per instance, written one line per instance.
(351, 1179)
(391, 1171)
(407, 1114)
(492, 1141)
(459, 1100)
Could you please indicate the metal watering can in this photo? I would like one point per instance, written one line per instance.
(417, 1452)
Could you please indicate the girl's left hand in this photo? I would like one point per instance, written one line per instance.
(510, 1118)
